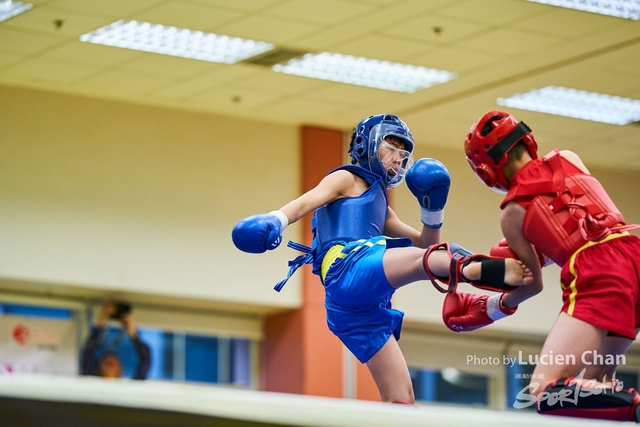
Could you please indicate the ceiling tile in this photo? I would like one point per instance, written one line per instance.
(635, 92)
(278, 82)
(583, 75)
(37, 2)
(380, 47)
(383, 2)
(435, 29)
(265, 28)
(374, 22)
(43, 19)
(617, 84)
(510, 42)
(51, 70)
(24, 42)
(325, 12)
(328, 39)
(243, 5)
(8, 57)
(627, 139)
(565, 22)
(119, 9)
(574, 131)
(626, 60)
(234, 73)
(561, 128)
(419, 6)
(92, 53)
(453, 59)
(495, 12)
(188, 15)
(172, 66)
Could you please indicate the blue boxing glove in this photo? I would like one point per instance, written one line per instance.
(259, 233)
(429, 181)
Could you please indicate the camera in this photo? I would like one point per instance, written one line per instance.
(122, 308)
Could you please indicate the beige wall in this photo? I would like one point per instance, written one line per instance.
(98, 197)
(110, 196)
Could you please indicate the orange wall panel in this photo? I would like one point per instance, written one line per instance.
(322, 151)
(300, 354)
(281, 353)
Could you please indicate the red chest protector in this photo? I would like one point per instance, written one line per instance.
(566, 208)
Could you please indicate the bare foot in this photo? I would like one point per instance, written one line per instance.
(515, 274)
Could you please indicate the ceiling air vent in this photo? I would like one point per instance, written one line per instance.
(273, 57)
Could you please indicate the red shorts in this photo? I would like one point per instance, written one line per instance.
(600, 285)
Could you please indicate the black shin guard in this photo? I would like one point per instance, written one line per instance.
(576, 398)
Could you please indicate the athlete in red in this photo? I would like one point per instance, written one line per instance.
(555, 208)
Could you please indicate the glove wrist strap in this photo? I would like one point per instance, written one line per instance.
(494, 309)
(432, 218)
(282, 217)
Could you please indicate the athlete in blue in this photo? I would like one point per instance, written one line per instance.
(363, 252)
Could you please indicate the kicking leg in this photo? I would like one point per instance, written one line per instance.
(407, 265)
(403, 266)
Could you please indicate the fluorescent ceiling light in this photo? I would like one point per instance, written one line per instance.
(364, 72)
(174, 41)
(9, 9)
(629, 9)
(578, 104)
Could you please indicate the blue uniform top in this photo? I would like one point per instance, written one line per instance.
(345, 220)
(350, 218)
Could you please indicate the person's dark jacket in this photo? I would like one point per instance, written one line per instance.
(91, 364)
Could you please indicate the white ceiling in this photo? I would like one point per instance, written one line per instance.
(497, 47)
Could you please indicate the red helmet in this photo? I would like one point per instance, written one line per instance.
(488, 142)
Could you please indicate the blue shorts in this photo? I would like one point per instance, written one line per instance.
(358, 297)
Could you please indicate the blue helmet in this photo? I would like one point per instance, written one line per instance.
(365, 146)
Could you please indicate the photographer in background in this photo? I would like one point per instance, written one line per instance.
(100, 358)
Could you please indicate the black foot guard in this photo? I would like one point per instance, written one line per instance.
(572, 397)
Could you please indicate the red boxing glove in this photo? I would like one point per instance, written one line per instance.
(463, 312)
(503, 250)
